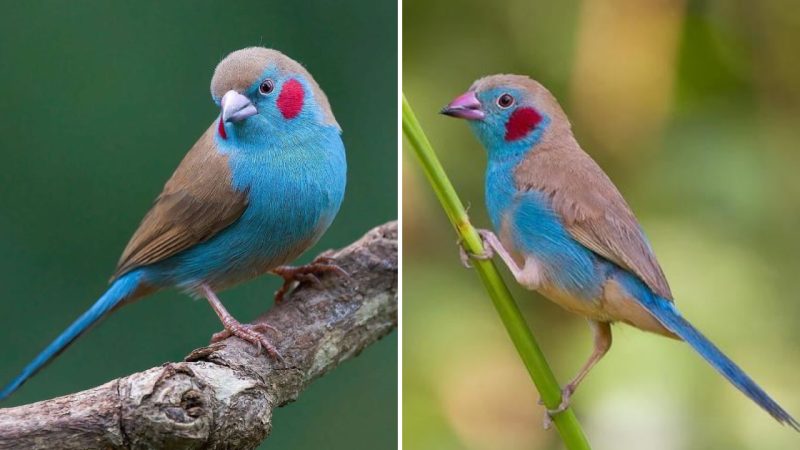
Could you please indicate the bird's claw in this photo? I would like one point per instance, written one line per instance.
(250, 333)
(258, 327)
(306, 273)
(566, 395)
(465, 255)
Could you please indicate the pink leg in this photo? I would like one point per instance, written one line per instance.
(491, 246)
(492, 242)
(602, 342)
(249, 333)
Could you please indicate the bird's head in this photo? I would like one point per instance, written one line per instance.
(509, 113)
(263, 93)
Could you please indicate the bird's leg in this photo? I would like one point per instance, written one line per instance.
(308, 272)
(249, 333)
(492, 246)
(602, 342)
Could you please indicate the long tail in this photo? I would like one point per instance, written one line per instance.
(122, 288)
(668, 315)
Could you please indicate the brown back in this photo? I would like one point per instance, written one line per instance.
(591, 207)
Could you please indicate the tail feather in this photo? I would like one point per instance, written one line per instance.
(668, 315)
(122, 288)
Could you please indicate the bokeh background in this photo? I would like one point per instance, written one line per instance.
(693, 109)
(100, 101)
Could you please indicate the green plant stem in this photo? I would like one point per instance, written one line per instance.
(540, 372)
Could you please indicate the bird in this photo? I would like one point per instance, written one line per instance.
(563, 229)
(259, 187)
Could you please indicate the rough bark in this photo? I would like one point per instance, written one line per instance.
(223, 395)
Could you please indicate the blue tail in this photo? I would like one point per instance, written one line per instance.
(668, 315)
(119, 291)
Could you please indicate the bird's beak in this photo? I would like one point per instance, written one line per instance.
(465, 106)
(236, 107)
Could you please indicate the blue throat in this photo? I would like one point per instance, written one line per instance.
(499, 184)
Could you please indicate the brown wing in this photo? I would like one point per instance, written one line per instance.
(197, 202)
(593, 210)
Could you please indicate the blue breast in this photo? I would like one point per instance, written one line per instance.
(537, 230)
(294, 192)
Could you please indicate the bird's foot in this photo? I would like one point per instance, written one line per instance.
(306, 273)
(566, 395)
(466, 256)
(258, 327)
(250, 333)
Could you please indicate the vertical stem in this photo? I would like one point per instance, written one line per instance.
(540, 372)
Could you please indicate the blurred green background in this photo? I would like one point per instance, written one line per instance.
(693, 108)
(100, 101)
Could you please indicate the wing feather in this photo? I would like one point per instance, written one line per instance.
(197, 202)
(592, 209)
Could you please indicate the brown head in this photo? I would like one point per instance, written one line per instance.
(257, 84)
(510, 111)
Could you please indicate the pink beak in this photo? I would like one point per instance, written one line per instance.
(465, 106)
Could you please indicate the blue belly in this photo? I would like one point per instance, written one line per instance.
(292, 200)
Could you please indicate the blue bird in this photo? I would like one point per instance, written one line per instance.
(564, 230)
(259, 187)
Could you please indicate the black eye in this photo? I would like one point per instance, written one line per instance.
(505, 101)
(266, 87)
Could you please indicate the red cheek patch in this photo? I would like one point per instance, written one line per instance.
(290, 101)
(522, 122)
(221, 129)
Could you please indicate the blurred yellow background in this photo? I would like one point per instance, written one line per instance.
(693, 109)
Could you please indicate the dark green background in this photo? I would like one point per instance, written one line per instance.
(100, 101)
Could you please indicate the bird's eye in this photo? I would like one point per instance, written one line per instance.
(266, 87)
(505, 101)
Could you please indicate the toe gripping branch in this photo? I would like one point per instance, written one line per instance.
(465, 255)
(308, 273)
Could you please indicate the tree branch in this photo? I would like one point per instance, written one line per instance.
(223, 395)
